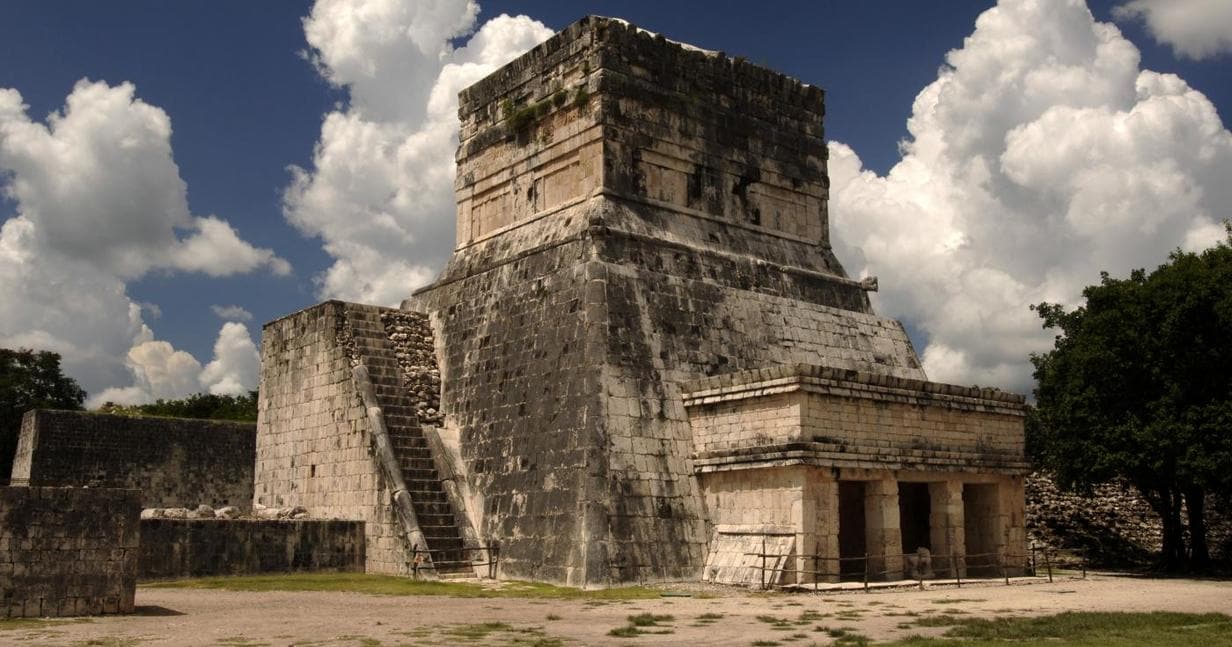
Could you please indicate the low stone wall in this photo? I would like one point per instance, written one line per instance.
(67, 551)
(175, 548)
(175, 462)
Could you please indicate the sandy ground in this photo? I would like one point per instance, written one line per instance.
(200, 617)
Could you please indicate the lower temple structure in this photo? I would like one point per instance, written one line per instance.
(643, 360)
(817, 474)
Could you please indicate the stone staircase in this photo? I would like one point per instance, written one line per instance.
(432, 509)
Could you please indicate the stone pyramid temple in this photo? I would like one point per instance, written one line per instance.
(643, 361)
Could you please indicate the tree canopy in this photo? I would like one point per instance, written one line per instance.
(1139, 386)
(198, 405)
(30, 379)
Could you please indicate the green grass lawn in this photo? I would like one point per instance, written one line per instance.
(1085, 630)
(392, 585)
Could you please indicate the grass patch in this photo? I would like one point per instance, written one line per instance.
(393, 585)
(765, 643)
(956, 600)
(643, 624)
(649, 620)
(536, 641)
(108, 641)
(1087, 629)
(810, 616)
(240, 641)
(477, 631)
(13, 624)
(553, 616)
(943, 620)
(777, 624)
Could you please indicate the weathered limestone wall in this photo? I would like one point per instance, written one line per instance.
(67, 551)
(691, 242)
(175, 548)
(174, 462)
(312, 446)
(853, 419)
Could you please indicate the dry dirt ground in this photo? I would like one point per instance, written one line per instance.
(212, 617)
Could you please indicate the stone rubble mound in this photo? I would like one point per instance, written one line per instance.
(204, 511)
(411, 334)
(1114, 526)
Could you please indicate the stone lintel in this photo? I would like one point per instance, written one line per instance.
(831, 455)
(847, 383)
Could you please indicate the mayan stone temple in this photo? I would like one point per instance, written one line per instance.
(643, 360)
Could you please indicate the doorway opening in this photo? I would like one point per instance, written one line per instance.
(852, 529)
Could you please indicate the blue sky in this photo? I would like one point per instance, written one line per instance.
(244, 105)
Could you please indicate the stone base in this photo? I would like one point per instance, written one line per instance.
(67, 551)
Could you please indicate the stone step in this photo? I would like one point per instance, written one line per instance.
(453, 544)
(435, 520)
(419, 475)
(407, 441)
(424, 484)
(433, 508)
(428, 497)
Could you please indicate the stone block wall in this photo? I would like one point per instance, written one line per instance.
(175, 548)
(856, 419)
(175, 462)
(67, 551)
(312, 431)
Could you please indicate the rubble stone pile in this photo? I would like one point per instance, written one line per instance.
(1113, 526)
(411, 335)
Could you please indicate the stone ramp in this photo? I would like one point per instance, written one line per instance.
(749, 557)
(400, 403)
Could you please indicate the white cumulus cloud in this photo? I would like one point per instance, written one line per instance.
(1195, 29)
(231, 313)
(161, 371)
(99, 202)
(236, 361)
(380, 190)
(1040, 156)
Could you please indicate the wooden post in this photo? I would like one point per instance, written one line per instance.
(816, 572)
(1048, 562)
(763, 562)
(866, 572)
(1004, 571)
(954, 565)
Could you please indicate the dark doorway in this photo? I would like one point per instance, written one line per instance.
(914, 509)
(852, 541)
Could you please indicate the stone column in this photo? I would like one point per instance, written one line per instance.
(819, 532)
(1013, 520)
(945, 527)
(883, 533)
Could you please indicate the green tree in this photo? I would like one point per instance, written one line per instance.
(1139, 386)
(30, 380)
(198, 405)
